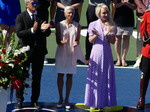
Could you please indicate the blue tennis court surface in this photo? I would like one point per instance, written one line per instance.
(127, 84)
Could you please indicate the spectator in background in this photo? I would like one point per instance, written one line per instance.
(142, 6)
(8, 12)
(52, 13)
(61, 4)
(124, 19)
(67, 53)
(43, 7)
(80, 11)
(90, 15)
(100, 88)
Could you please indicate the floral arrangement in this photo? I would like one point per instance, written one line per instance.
(12, 72)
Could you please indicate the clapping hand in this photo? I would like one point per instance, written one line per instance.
(75, 43)
(109, 31)
(106, 30)
(110, 36)
(44, 25)
(125, 2)
(65, 41)
(35, 26)
(95, 32)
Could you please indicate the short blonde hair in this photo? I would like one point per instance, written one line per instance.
(98, 10)
(68, 8)
(99, 7)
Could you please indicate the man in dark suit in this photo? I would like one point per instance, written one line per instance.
(32, 30)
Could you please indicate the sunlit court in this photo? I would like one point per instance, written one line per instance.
(127, 79)
(127, 84)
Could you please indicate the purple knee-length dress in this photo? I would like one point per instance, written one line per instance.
(100, 88)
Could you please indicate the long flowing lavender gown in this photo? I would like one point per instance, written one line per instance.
(100, 86)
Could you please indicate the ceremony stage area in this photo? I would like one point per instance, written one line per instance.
(127, 80)
(127, 85)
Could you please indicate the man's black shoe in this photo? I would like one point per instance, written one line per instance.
(18, 105)
(36, 105)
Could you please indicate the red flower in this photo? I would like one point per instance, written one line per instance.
(0, 57)
(26, 85)
(1, 73)
(13, 78)
(16, 61)
(2, 64)
(4, 51)
(16, 84)
(1, 84)
(27, 75)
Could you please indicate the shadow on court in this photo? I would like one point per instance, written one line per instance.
(127, 85)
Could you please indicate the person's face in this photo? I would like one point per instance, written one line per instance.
(104, 14)
(32, 5)
(69, 14)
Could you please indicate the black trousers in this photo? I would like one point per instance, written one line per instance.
(145, 65)
(90, 15)
(36, 61)
(145, 68)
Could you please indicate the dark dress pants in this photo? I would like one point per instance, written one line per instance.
(36, 61)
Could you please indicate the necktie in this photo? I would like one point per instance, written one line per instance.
(33, 20)
(33, 17)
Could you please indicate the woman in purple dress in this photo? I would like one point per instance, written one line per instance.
(100, 86)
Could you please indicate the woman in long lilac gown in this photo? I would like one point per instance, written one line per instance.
(100, 86)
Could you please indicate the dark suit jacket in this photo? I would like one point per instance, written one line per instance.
(23, 30)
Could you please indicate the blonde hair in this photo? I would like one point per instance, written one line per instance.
(100, 6)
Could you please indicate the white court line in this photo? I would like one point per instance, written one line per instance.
(32, 108)
(87, 66)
